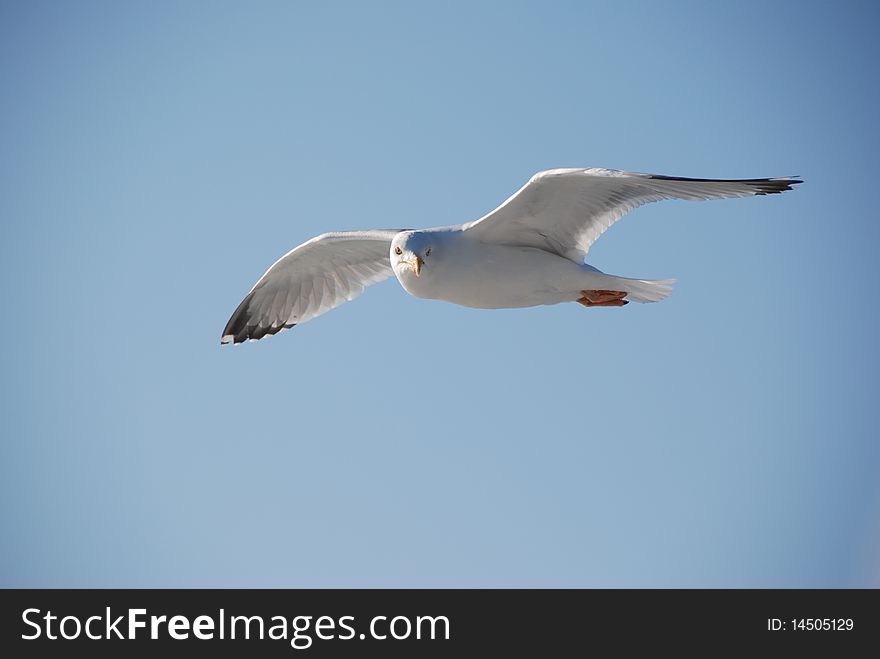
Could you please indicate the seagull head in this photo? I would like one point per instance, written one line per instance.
(410, 252)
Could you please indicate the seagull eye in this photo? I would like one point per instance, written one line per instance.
(428, 252)
(398, 251)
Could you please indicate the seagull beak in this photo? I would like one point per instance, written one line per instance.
(417, 266)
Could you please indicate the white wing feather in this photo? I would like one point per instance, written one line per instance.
(311, 279)
(564, 211)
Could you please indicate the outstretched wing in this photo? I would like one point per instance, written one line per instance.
(564, 211)
(311, 279)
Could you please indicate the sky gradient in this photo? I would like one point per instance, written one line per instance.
(156, 158)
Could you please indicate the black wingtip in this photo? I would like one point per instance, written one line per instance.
(762, 186)
(252, 333)
(773, 185)
(242, 325)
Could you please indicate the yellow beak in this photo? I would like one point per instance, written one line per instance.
(415, 265)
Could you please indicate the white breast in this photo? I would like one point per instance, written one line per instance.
(473, 274)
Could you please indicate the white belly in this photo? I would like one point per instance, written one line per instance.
(498, 276)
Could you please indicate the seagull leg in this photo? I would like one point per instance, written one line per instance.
(603, 298)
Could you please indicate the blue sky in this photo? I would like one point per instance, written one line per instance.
(157, 157)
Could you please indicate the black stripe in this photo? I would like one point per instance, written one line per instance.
(242, 325)
(761, 185)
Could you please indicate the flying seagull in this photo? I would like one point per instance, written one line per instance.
(528, 251)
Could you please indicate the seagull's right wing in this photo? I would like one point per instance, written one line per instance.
(564, 211)
(311, 279)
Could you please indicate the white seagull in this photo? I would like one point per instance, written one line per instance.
(528, 251)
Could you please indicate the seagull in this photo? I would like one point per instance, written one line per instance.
(529, 251)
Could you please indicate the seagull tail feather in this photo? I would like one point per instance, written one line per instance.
(646, 290)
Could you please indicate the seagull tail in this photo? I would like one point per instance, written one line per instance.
(645, 290)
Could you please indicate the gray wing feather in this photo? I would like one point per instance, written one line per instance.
(564, 211)
(311, 279)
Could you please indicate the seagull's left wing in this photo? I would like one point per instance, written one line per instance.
(564, 211)
(311, 279)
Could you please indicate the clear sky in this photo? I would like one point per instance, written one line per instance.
(156, 158)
